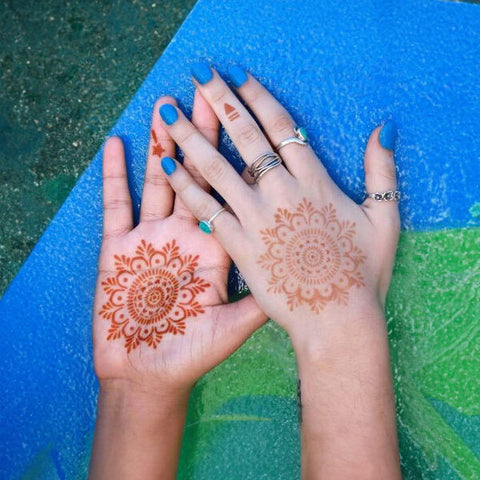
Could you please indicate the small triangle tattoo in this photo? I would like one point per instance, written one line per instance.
(231, 113)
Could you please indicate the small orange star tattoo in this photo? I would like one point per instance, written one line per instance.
(157, 147)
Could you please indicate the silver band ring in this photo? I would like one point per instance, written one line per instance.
(388, 196)
(207, 225)
(262, 164)
(300, 138)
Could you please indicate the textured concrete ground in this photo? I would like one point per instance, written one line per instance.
(67, 70)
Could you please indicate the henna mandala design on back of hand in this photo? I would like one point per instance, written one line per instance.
(151, 294)
(311, 256)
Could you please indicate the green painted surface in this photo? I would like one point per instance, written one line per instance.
(433, 312)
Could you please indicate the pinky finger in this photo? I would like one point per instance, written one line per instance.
(380, 173)
(202, 205)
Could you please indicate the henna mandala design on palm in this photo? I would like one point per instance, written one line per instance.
(311, 256)
(151, 294)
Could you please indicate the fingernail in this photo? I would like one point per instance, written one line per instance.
(168, 165)
(202, 72)
(168, 113)
(388, 135)
(237, 75)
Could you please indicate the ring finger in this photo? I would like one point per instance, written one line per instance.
(277, 123)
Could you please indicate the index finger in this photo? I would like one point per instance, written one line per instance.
(204, 118)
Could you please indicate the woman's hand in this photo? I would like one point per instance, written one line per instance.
(316, 262)
(161, 313)
(306, 250)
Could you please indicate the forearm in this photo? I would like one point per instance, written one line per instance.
(349, 427)
(137, 436)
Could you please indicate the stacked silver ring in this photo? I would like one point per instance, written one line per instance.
(388, 196)
(262, 164)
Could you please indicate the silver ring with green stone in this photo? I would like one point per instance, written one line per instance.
(207, 225)
(300, 138)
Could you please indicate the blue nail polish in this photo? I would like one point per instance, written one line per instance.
(168, 165)
(388, 135)
(237, 75)
(168, 113)
(202, 72)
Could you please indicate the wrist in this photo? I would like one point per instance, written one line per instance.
(129, 398)
(338, 328)
(347, 396)
(137, 434)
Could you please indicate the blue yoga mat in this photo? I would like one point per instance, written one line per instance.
(341, 68)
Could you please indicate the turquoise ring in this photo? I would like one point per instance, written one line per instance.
(300, 138)
(207, 225)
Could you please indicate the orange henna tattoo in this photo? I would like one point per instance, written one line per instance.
(151, 294)
(157, 148)
(311, 256)
(231, 112)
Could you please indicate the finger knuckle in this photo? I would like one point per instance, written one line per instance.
(149, 216)
(156, 180)
(186, 135)
(388, 171)
(182, 184)
(115, 233)
(114, 178)
(248, 134)
(255, 94)
(384, 171)
(160, 138)
(218, 94)
(215, 168)
(204, 209)
(282, 123)
(209, 131)
(115, 203)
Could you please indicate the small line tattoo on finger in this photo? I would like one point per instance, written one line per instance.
(231, 112)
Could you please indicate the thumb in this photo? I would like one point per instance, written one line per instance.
(236, 322)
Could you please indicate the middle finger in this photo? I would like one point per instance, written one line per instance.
(244, 131)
